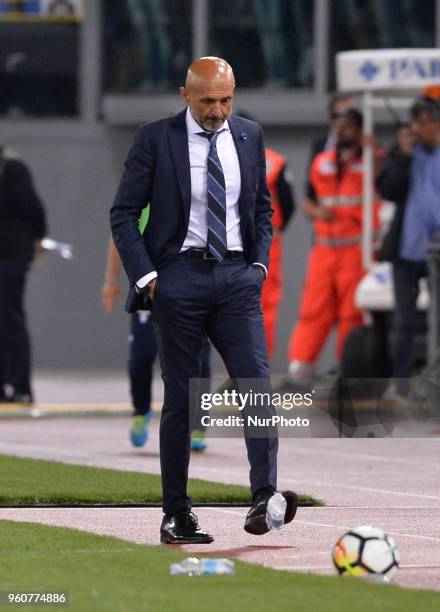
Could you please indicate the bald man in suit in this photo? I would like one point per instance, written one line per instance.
(200, 266)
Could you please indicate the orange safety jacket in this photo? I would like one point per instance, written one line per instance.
(274, 164)
(273, 285)
(341, 190)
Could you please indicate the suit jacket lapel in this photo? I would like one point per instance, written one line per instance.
(240, 146)
(178, 138)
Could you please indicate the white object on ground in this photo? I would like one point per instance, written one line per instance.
(276, 511)
(192, 566)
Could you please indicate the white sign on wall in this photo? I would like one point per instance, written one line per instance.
(387, 69)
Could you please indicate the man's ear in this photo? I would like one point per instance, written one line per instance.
(183, 94)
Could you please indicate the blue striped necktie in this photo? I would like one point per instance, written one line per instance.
(217, 242)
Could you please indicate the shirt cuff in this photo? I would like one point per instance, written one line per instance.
(257, 263)
(143, 282)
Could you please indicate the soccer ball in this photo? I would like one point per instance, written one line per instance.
(366, 552)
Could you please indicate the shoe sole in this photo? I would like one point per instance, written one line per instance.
(258, 525)
(164, 540)
(292, 505)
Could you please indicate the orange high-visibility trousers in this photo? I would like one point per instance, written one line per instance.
(272, 292)
(327, 300)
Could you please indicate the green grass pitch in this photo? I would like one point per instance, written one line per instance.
(29, 482)
(103, 574)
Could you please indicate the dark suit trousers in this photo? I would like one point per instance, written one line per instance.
(15, 358)
(223, 300)
(406, 276)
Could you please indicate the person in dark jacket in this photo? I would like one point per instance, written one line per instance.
(22, 226)
(411, 178)
(393, 185)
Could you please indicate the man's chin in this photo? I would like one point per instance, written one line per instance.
(213, 127)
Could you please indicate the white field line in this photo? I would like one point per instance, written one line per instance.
(389, 531)
(292, 452)
(417, 566)
(418, 508)
(343, 454)
(359, 488)
(354, 456)
(333, 485)
(338, 527)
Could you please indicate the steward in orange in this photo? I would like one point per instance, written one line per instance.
(335, 262)
(280, 184)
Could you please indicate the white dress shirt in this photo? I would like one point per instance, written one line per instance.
(198, 146)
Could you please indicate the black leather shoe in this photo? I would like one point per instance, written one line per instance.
(183, 528)
(256, 517)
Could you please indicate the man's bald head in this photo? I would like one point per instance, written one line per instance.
(209, 70)
(209, 89)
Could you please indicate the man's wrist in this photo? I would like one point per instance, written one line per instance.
(141, 286)
(262, 268)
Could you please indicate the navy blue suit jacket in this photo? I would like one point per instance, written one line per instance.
(157, 171)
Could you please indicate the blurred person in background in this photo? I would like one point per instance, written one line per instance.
(411, 178)
(123, 49)
(335, 262)
(270, 17)
(286, 40)
(280, 183)
(339, 103)
(393, 185)
(142, 355)
(152, 21)
(143, 349)
(22, 227)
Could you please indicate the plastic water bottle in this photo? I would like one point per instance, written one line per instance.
(192, 566)
(276, 511)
